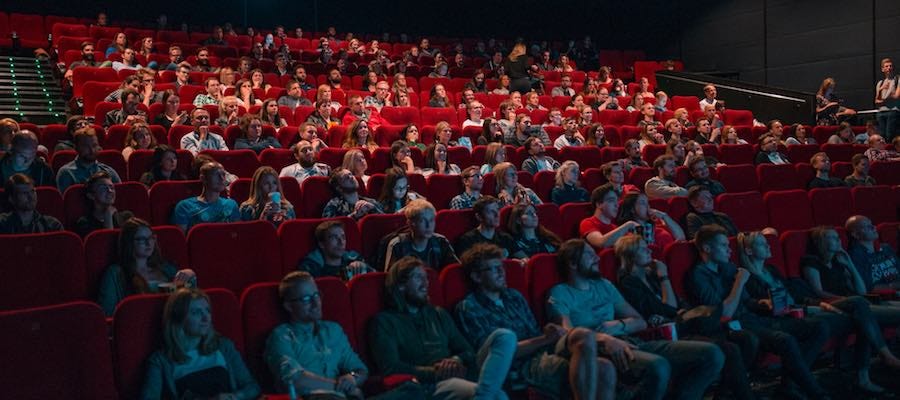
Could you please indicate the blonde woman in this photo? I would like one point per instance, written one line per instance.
(516, 66)
(509, 190)
(494, 154)
(355, 162)
(568, 188)
(228, 112)
(267, 200)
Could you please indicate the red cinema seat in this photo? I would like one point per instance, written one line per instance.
(793, 247)
(801, 152)
(680, 257)
(678, 207)
(888, 233)
(30, 28)
(137, 333)
(333, 156)
(886, 172)
(455, 286)
(778, 177)
(789, 209)
(543, 183)
(441, 189)
(586, 157)
(837, 152)
(591, 178)
(432, 115)
(316, 193)
(829, 205)
(746, 209)
(608, 154)
(736, 153)
(691, 103)
(738, 117)
(614, 117)
(638, 176)
(242, 163)
(375, 227)
(541, 275)
(55, 270)
(165, 195)
(738, 178)
(244, 253)
(453, 223)
(840, 169)
(400, 115)
(130, 196)
(239, 190)
(571, 215)
(379, 161)
(366, 294)
(297, 239)
(385, 135)
(56, 352)
(651, 151)
(276, 158)
(49, 202)
(873, 201)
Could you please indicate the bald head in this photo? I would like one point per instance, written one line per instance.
(861, 229)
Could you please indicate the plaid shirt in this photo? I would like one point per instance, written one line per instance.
(464, 201)
(479, 316)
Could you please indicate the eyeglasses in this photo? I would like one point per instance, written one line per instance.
(145, 240)
(305, 300)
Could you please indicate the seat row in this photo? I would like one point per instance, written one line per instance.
(69, 347)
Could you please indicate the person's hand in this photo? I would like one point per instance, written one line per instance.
(180, 118)
(715, 134)
(203, 131)
(742, 276)
(449, 368)
(579, 136)
(233, 116)
(362, 207)
(345, 383)
(830, 308)
(767, 303)
(661, 269)
(554, 332)
(659, 138)
(657, 214)
(619, 351)
(357, 267)
(408, 161)
(631, 225)
(185, 278)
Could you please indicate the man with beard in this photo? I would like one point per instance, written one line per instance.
(334, 79)
(663, 185)
(537, 160)
(294, 97)
(22, 159)
(24, 217)
(359, 111)
(87, 60)
(587, 300)
(306, 165)
(472, 181)
(300, 76)
(347, 202)
(203, 64)
(414, 337)
(85, 164)
(129, 113)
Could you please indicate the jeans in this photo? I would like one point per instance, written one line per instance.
(797, 342)
(887, 124)
(494, 359)
(692, 365)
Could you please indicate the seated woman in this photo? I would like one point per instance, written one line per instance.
(533, 101)
(491, 132)
(649, 135)
(674, 130)
(585, 116)
(140, 268)
(267, 200)
(195, 361)
(436, 161)
(163, 167)
(683, 116)
(400, 158)
(252, 135)
(509, 190)
(531, 237)
(675, 149)
(656, 227)
(443, 134)
(370, 81)
(502, 85)
(441, 70)
(644, 283)
(829, 111)
(400, 83)
(258, 80)
(100, 198)
(244, 93)
(359, 136)
(355, 162)
(644, 88)
(139, 138)
(842, 314)
(576, 103)
(799, 135)
(844, 135)
(401, 98)
(269, 114)
(228, 112)
(410, 134)
(439, 97)
(226, 78)
(395, 193)
(494, 154)
(730, 136)
(596, 136)
(170, 116)
(322, 117)
(636, 103)
(568, 189)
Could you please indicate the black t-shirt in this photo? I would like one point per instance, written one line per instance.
(473, 237)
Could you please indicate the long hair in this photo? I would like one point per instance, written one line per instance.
(490, 153)
(500, 171)
(826, 83)
(591, 132)
(392, 176)
(431, 157)
(351, 140)
(517, 50)
(626, 210)
(745, 240)
(257, 197)
(237, 92)
(563, 170)
(264, 113)
(816, 246)
(156, 164)
(175, 312)
(129, 139)
(626, 250)
(396, 148)
(134, 282)
(514, 225)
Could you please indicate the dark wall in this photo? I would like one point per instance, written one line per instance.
(796, 44)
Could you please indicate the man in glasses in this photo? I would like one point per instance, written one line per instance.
(307, 354)
(182, 75)
(381, 98)
(473, 182)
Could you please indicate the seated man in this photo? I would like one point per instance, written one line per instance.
(555, 360)
(381, 98)
(212, 96)
(331, 257)
(564, 88)
(359, 111)
(632, 155)
(129, 113)
(100, 193)
(22, 159)
(860, 175)
(600, 229)
(310, 133)
(878, 268)
(709, 98)
(24, 218)
(420, 241)
(715, 281)
(701, 200)
(347, 202)
(201, 138)
(700, 172)
(294, 97)
(537, 160)
(307, 354)
(306, 164)
(768, 152)
(473, 182)
(877, 150)
(586, 300)
(663, 185)
(210, 206)
(487, 212)
(614, 173)
(85, 164)
(822, 165)
(414, 337)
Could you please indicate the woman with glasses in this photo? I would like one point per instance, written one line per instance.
(140, 268)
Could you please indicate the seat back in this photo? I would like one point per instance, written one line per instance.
(453, 223)
(165, 195)
(738, 178)
(746, 209)
(540, 276)
(41, 269)
(59, 351)
(680, 257)
(297, 239)
(789, 209)
(829, 205)
(234, 255)
(778, 177)
(873, 202)
(375, 227)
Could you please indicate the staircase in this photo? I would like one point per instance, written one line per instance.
(29, 92)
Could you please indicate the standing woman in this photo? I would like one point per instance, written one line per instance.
(267, 200)
(195, 361)
(516, 66)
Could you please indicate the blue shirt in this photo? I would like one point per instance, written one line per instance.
(585, 308)
(322, 349)
(76, 172)
(193, 211)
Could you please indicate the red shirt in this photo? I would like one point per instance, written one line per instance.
(593, 224)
